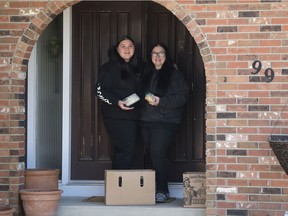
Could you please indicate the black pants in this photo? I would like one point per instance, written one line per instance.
(123, 134)
(157, 138)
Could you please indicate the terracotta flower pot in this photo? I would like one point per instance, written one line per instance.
(41, 179)
(40, 202)
(6, 211)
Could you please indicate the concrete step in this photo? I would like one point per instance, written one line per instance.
(75, 206)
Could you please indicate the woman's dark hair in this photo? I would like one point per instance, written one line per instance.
(166, 70)
(168, 64)
(124, 67)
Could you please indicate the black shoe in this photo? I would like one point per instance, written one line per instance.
(162, 197)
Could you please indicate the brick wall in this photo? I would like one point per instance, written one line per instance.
(243, 175)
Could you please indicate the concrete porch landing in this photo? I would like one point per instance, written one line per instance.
(73, 206)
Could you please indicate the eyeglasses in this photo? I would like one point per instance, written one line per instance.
(160, 54)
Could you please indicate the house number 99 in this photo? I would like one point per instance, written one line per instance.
(268, 73)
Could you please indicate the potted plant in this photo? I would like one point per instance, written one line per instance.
(279, 145)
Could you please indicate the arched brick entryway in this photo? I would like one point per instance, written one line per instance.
(243, 175)
(38, 23)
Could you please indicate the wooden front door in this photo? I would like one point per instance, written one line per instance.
(96, 27)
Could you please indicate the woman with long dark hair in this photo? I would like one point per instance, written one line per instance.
(161, 113)
(118, 79)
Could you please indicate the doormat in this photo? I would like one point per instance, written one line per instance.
(94, 199)
(171, 199)
(102, 199)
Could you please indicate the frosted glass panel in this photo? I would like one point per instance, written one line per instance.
(49, 96)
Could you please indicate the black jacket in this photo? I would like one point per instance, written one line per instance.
(172, 99)
(113, 85)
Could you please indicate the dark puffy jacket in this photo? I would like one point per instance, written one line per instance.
(171, 104)
(111, 87)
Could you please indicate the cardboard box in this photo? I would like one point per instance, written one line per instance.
(130, 187)
(194, 189)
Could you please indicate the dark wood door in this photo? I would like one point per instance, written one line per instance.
(96, 27)
(187, 151)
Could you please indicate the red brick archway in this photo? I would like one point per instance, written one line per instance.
(243, 175)
(38, 24)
